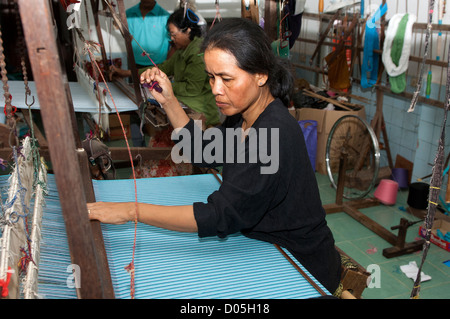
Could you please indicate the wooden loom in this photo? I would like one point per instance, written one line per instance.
(69, 160)
(117, 153)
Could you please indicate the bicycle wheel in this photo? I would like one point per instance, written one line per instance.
(355, 138)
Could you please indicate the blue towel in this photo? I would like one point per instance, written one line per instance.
(370, 58)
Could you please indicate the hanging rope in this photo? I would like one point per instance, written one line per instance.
(415, 97)
(130, 267)
(89, 46)
(22, 48)
(9, 109)
(124, 31)
(15, 248)
(217, 17)
(435, 188)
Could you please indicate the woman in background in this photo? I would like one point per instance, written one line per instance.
(186, 66)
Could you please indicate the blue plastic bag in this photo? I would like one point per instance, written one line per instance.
(309, 129)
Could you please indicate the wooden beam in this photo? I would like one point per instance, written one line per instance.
(102, 260)
(372, 225)
(406, 95)
(270, 19)
(51, 86)
(121, 153)
(95, 10)
(117, 153)
(137, 98)
(416, 26)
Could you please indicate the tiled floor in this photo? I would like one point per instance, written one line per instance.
(366, 247)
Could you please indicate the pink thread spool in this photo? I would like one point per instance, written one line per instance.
(386, 192)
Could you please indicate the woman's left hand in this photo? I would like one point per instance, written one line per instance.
(111, 213)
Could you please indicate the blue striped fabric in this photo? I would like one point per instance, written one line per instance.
(54, 248)
(168, 264)
(176, 265)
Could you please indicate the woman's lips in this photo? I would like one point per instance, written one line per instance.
(221, 104)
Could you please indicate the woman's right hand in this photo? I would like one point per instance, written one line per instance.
(166, 96)
(177, 116)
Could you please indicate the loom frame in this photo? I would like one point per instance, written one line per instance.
(84, 237)
(69, 161)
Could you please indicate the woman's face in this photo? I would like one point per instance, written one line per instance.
(180, 39)
(235, 89)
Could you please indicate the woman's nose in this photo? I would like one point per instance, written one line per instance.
(216, 87)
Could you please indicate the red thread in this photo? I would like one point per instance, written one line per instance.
(66, 3)
(13, 108)
(5, 283)
(24, 261)
(131, 265)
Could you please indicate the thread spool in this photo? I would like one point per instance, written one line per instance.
(400, 175)
(418, 195)
(386, 192)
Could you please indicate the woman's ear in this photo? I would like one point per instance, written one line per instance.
(261, 79)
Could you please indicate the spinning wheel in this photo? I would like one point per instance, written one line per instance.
(353, 158)
(352, 144)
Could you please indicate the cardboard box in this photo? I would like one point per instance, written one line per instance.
(293, 112)
(444, 226)
(325, 121)
(115, 129)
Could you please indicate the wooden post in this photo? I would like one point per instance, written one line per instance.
(270, 19)
(102, 260)
(39, 34)
(95, 9)
(130, 55)
(378, 120)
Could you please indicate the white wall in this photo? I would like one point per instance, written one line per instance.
(413, 135)
(419, 8)
(416, 7)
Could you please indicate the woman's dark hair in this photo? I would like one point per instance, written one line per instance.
(251, 47)
(184, 21)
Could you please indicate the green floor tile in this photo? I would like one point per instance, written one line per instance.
(366, 248)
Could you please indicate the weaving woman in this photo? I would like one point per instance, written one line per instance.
(276, 201)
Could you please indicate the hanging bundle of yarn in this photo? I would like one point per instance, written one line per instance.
(396, 49)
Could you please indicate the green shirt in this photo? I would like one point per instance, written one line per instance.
(190, 81)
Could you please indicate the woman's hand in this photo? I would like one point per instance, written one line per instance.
(154, 74)
(115, 71)
(177, 116)
(178, 218)
(111, 213)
